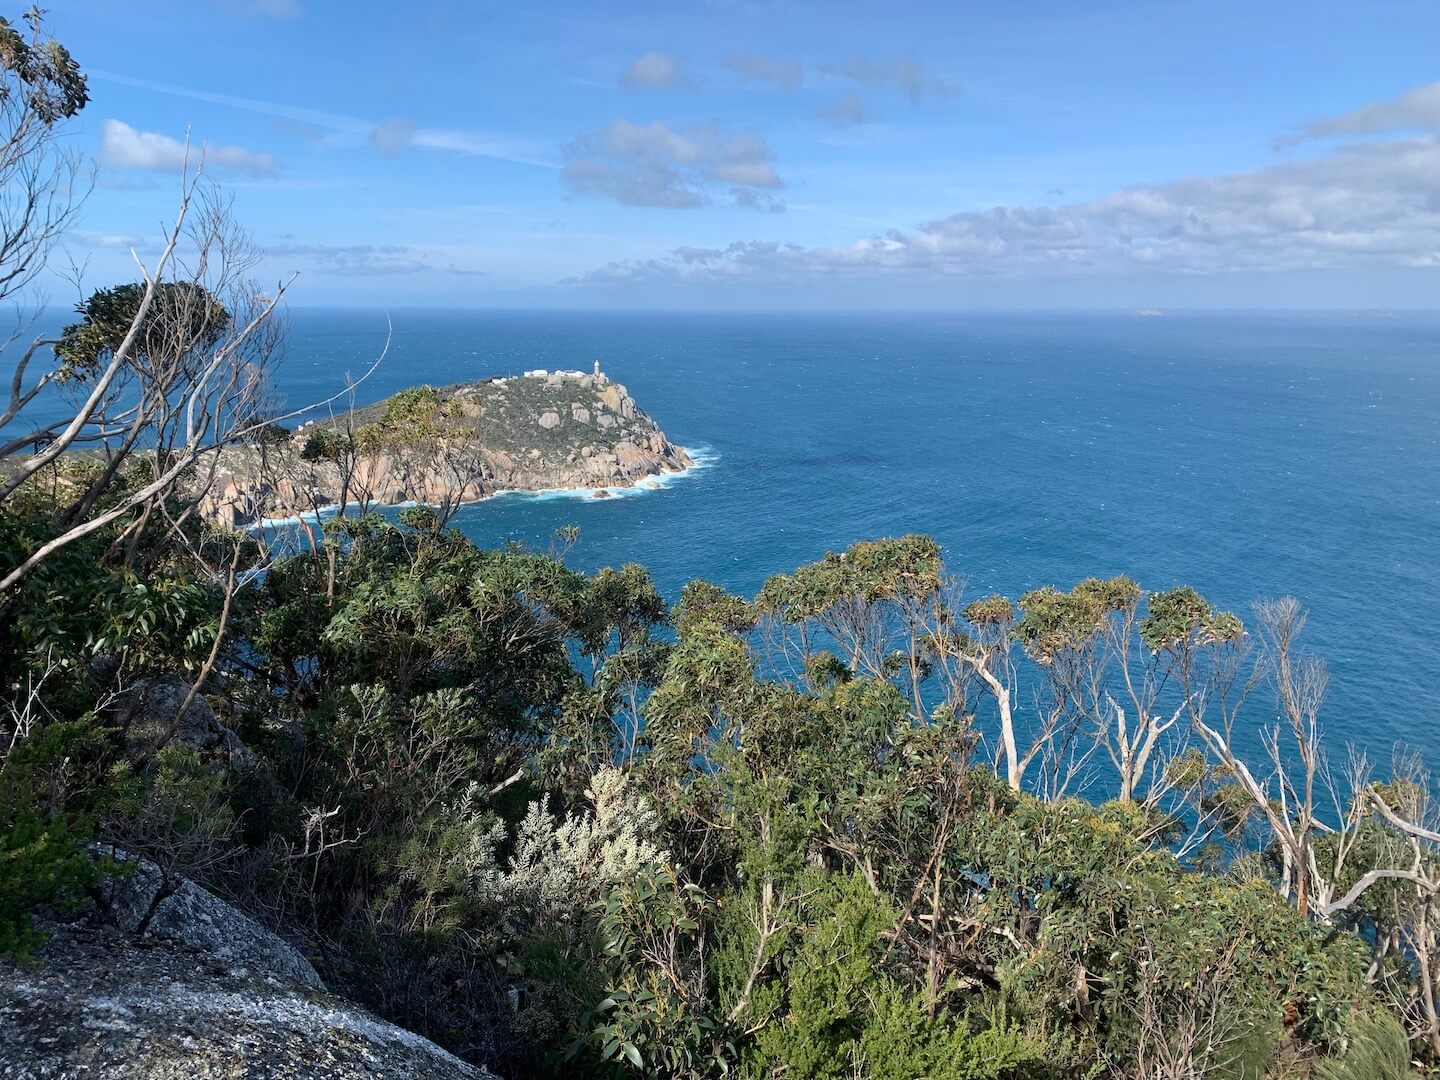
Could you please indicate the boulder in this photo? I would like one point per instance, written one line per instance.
(100, 1004)
(149, 716)
(613, 397)
(144, 904)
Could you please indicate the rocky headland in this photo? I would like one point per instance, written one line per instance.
(439, 446)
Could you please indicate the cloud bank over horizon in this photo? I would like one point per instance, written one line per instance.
(1365, 203)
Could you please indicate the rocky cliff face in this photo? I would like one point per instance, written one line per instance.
(458, 443)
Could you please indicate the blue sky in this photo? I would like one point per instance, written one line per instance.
(744, 155)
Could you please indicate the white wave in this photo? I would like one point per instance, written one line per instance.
(701, 458)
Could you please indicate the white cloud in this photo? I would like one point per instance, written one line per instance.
(1365, 205)
(908, 76)
(366, 260)
(102, 241)
(124, 147)
(786, 74)
(353, 260)
(1414, 110)
(654, 165)
(117, 241)
(476, 144)
(339, 130)
(653, 71)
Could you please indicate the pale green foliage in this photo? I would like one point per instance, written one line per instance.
(838, 1012)
(559, 866)
(567, 863)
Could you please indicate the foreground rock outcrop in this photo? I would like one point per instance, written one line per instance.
(164, 981)
(100, 1004)
(533, 432)
(145, 905)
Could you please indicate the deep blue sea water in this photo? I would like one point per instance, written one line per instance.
(1247, 455)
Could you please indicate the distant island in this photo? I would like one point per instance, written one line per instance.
(1149, 312)
(541, 430)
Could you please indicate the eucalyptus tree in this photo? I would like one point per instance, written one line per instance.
(176, 365)
(42, 180)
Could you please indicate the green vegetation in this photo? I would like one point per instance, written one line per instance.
(857, 825)
(562, 829)
(414, 417)
(182, 316)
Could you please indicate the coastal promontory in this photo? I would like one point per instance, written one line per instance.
(537, 431)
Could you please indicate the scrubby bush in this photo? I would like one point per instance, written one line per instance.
(562, 830)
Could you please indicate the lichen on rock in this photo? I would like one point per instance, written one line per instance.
(148, 905)
(100, 1004)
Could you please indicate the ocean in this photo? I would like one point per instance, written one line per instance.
(1248, 455)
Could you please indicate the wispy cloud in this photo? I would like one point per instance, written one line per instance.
(655, 165)
(756, 67)
(299, 114)
(652, 71)
(908, 76)
(103, 241)
(477, 144)
(847, 112)
(359, 131)
(1414, 110)
(364, 260)
(353, 260)
(393, 137)
(124, 147)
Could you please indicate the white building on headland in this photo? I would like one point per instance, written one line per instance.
(597, 378)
